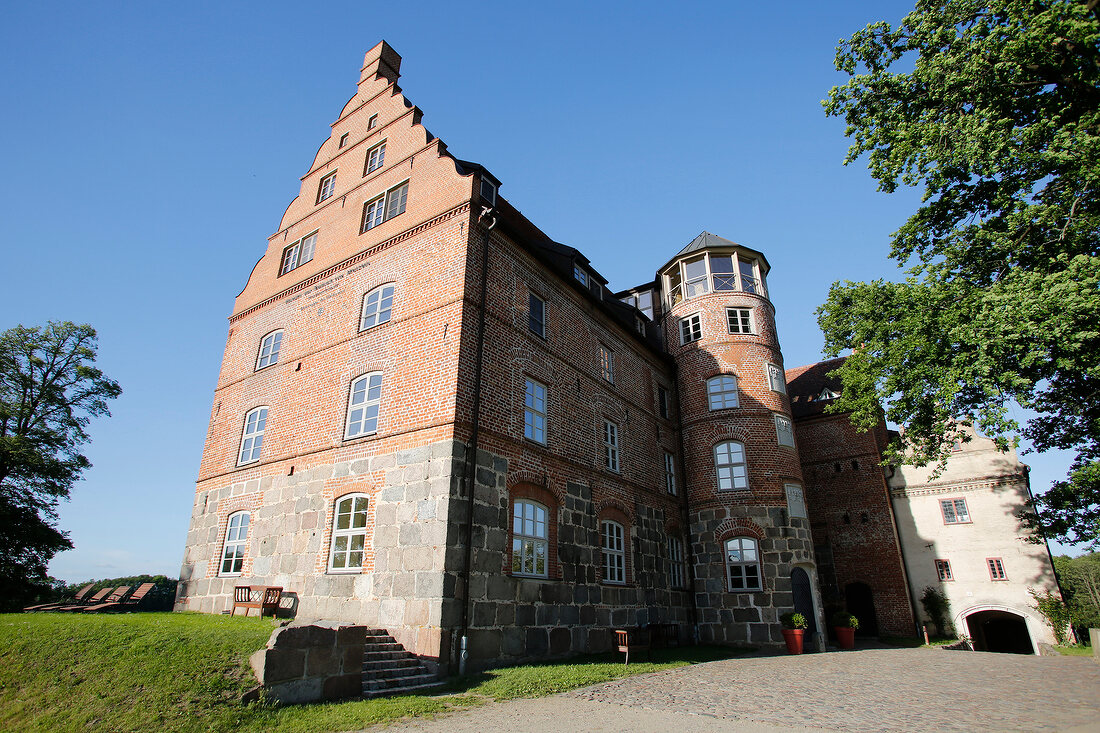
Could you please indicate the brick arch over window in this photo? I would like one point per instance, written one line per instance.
(614, 506)
(537, 480)
(738, 528)
(610, 510)
(730, 432)
(547, 498)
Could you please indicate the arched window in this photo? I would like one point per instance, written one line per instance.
(377, 307)
(269, 349)
(530, 539)
(349, 534)
(743, 564)
(729, 462)
(722, 392)
(255, 422)
(236, 539)
(614, 552)
(364, 402)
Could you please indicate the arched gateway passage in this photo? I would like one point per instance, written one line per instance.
(861, 604)
(999, 631)
(804, 599)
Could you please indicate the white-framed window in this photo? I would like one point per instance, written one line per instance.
(534, 411)
(695, 276)
(954, 511)
(326, 187)
(777, 381)
(676, 574)
(581, 275)
(642, 300)
(743, 564)
(298, 253)
(269, 349)
(722, 392)
(670, 473)
(364, 402)
(784, 431)
(255, 422)
(709, 272)
(488, 191)
(731, 466)
(384, 208)
(377, 307)
(943, 571)
(796, 500)
(611, 445)
(530, 539)
(372, 122)
(614, 554)
(607, 364)
(344, 139)
(236, 541)
(536, 315)
(349, 534)
(691, 328)
(376, 158)
(739, 320)
(996, 568)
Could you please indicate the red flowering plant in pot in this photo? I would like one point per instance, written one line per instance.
(794, 626)
(845, 625)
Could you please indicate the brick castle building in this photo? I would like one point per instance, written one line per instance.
(434, 419)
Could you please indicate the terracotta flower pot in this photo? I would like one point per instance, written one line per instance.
(845, 637)
(793, 637)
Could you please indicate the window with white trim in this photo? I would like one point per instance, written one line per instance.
(614, 554)
(722, 392)
(796, 501)
(731, 466)
(326, 187)
(739, 320)
(611, 445)
(742, 564)
(385, 207)
(784, 431)
(777, 381)
(364, 403)
(488, 191)
(695, 276)
(996, 568)
(255, 422)
(712, 272)
(298, 253)
(376, 158)
(344, 139)
(349, 534)
(670, 473)
(691, 328)
(530, 539)
(236, 541)
(534, 411)
(581, 275)
(943, 570)
(377, 307)
(954, 511)
(607, 364)
(372, 122)
(676, 566)
(536, 315)
(269, 349)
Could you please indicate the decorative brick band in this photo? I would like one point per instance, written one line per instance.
(982, 484)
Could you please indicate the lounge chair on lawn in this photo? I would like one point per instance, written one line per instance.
(128, 604)
(100, 594)
(78, 598)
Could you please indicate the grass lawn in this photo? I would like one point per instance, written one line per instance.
(186, 672)
(1074, 650)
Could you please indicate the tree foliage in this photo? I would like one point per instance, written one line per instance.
(993, 106)
(1080, 581)
(49, 392)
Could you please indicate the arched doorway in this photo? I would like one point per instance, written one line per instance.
(804, 599)
(999, 631)
(861, 603)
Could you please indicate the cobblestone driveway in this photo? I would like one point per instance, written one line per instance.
(864, 690)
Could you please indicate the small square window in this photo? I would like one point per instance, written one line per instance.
(344, 139)
(691, 329)
(607, 364)
(955, 511)
(943, 570)
(536, 315)
(376, 158)
(488, 192)
(611, 445)
(784, 431)
(996, 569)
(326, 187)
(372, 122)
(581, 275)
(739, 320)
(722, 392)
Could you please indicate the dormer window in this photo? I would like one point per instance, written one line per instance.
(489, 192)
(711, 272)
(581, 275)
(827, 394)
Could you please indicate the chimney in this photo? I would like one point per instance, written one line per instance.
(381, 62)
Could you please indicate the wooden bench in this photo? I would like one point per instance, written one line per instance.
(261, 597)
(628, 640)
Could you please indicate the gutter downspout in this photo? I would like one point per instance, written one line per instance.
(689, 557)
(472, 448)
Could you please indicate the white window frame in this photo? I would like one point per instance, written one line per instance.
(534, 411)
(613, 545)
(344, 140)
(740, 320)
(677, 575)
(607, 364)
(235, 544)
(384, 207)
(746, 277)
(298, 254)
(252, 436)
(723, 392)
(611, 446)
(364, 405)
(728, 469)
(350, 540)
(996, 567)
(268, 354)
(670, 473)
(326, 187)
(691, 329)
(488, 191)
(949, 508)
(743, 565)
(376, 158)
(535, 325)
(777, 380)
(377, 306)
(372, 122)
(580, 275)
(530, 538)
(796, 501)
(784, 430)
(943, 571)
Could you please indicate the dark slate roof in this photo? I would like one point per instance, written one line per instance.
(806, 383)
(705, 240)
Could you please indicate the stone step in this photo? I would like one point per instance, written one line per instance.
(384, 656)
(402, 690)
(398, 682)
(392, 646)
(393, 673)
(409, 661)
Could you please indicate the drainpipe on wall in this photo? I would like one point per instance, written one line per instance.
(471, 449)
(689, 557)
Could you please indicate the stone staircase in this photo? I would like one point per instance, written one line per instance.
(390, 670)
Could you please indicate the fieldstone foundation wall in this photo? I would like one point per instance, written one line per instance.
(311, 662)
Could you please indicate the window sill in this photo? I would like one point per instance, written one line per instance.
(356, 571)
(364, 436)
(375, 326)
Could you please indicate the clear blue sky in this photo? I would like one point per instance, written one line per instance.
(150, 148)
